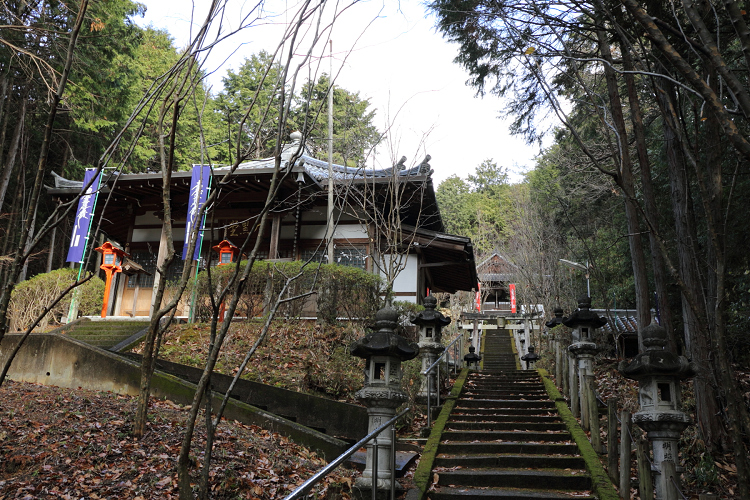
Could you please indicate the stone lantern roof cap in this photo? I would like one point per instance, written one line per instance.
(557, 320)
(655, 360)
(384, 341)
(654, 336)
(584, 316)
(430, 316)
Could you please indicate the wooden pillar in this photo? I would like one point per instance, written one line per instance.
(51, 248)
(273, 250)
(575, 407)
(645, 480)
(626, 445)
(585, 404)
(613, 449)
(160, 258)
(593, 411)
(671, 480)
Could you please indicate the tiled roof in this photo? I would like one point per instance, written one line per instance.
(619, 321)
(315, 168)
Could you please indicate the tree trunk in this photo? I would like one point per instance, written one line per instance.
(15, 145)
(649, 201)
(626, 182)
(696, 342)
(20, 257)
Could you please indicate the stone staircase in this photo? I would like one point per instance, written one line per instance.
(498, 353)
(504, 438)
(104, 334)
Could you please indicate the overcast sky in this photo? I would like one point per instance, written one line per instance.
(401, 65)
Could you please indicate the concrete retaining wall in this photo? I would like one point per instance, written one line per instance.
(341, 420)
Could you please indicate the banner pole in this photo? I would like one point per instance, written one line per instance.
(199, 243)
(73, 310)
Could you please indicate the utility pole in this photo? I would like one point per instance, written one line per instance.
(329, 232)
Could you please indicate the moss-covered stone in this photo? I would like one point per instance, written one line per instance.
(423, 474)
(600, 481)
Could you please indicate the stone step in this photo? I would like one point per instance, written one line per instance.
(511, 460)
(508, 377)
(505, 426)
(105, 334)
(512, 436)
(507, 394)
(451, 493)
(517, 412)
(470, 448)
(504, 403)
(558, 479)
(496, 418)
(512, 389)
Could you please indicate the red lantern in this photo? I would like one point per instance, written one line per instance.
(112, 259)
(227, 254)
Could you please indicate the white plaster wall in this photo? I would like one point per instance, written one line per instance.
(350, 231)
(313, 232)
(406, 281)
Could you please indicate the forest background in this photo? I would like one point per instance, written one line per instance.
(645, 180)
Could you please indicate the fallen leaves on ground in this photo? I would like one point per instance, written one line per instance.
(63, 443)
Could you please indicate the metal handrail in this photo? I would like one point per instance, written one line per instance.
(307, 485)
(430, 368)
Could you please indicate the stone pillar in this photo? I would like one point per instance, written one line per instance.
(552, 324)
(383, 352)
(658, 372)
(430, 323)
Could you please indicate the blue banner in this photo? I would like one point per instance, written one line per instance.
(198, 195)
(86, 205)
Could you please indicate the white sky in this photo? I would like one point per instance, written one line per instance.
(405, 69)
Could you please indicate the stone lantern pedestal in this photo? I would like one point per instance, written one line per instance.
(584, 323)
(658, 373)
(383, 351)
(431, 323)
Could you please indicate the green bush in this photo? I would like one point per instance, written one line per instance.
(30, 297)
(339, 292)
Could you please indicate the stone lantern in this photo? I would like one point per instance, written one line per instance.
(431, 323)
(658, 372)
(557, 320)
(472, 358)
(584, 323)
(530, 357)
(383, 352)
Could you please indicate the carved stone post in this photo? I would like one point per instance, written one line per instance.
(556, 321)
(383, 352)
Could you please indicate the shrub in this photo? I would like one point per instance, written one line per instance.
(339, 292)
(30, 297)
